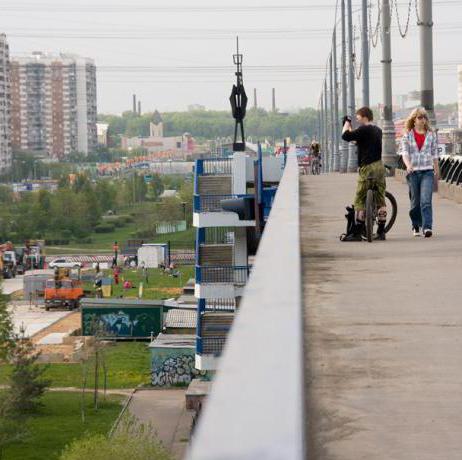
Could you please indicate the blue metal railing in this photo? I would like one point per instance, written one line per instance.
(214, 167)
(237, 275)
(212, 203)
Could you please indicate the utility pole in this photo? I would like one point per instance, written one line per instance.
(336, 163)
(331, 113)
(365, 54)
(343, 144)
(326, 129)
(426, 57)
(352, 152)
(388, 144)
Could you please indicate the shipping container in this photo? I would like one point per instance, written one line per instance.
(122, 318)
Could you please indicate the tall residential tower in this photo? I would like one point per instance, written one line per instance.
(5, 133)
(53, 104)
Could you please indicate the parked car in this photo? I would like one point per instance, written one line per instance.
(64, 263)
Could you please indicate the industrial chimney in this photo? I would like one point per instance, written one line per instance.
(274, 100)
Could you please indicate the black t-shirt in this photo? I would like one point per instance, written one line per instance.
(369, 141)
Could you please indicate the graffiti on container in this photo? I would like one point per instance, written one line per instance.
(120, 323)
(174, 370)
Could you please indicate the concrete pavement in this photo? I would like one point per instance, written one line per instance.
(383, 332)
(166, 410)
(11, 285)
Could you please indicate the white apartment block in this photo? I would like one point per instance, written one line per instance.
(5, 133)
(53, 104)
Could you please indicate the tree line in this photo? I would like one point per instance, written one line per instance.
(212, 124)
(80, 205)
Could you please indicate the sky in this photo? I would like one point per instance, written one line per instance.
(173, 53)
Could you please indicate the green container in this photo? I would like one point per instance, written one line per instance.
(122, 318)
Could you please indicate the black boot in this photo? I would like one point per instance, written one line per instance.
(380, 236)
(356, 233)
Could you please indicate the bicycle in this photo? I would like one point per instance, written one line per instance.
(316, 166)
(371, 208)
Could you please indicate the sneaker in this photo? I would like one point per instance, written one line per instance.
(428, 233)
(416, 231)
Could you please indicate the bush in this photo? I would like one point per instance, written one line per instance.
(105, 228)
(132, 441)
(87, 240)
(56, 242)
(142, 234)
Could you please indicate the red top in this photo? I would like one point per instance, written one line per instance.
(419, 139)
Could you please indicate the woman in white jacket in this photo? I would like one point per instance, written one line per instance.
(419, 149)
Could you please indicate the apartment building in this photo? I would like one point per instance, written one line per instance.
(5, 133)
(53, 104)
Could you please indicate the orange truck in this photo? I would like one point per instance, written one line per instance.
(63, 293)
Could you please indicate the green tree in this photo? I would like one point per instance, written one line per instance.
(26, 382)
(131, 441)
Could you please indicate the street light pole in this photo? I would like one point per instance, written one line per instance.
(388, 145)
(336, 163)
(326, 128)
(365, 54)
(332, 115)
(352, 151)
(343, 144)
(426, 57)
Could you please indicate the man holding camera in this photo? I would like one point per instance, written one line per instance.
(368, 138)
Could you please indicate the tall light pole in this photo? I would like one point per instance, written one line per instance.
(365, 53)
(426, 57)
(352, 152)
(336, 162)
(326, 129)
(388, 145)
(332, 150)
(343, 144)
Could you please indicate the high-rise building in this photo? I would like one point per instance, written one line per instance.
(5, 132)
(53, 104)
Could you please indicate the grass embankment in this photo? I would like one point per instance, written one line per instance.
(159, 285)
(59, 422)
(102, 242)
(128, 365)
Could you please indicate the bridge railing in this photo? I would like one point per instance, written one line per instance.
(256, 408)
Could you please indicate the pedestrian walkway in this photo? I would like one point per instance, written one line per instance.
(383, 331)
(165, 410)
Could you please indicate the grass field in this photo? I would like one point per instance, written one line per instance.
(160, 286)
(59, 423)
(128, 365)
(102, 242)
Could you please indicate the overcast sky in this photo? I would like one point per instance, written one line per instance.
(172, 55)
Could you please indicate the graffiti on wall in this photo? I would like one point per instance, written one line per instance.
(174, 370)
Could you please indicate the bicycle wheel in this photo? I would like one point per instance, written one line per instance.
(394, 210)
(370, 215)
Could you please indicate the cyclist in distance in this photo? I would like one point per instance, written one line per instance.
(315, 151)
(368, 138)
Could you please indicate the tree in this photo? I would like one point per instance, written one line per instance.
(131, 441)
(26, 383)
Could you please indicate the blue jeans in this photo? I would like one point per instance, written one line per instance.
(420, 193)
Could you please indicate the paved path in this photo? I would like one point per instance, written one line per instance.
(383, 332)
(166, 410)
(11, 285)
